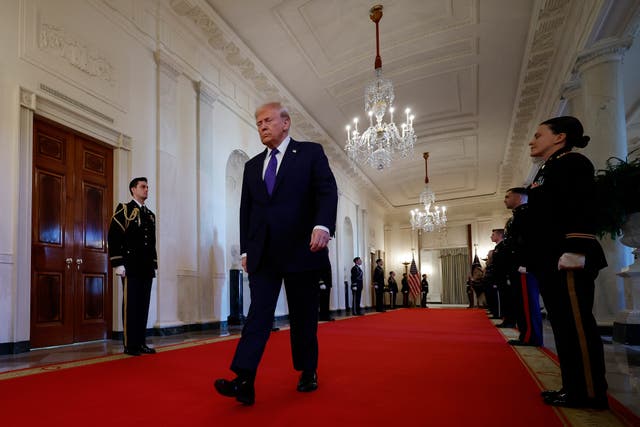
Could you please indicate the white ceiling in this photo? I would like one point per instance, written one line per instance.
(464, 67)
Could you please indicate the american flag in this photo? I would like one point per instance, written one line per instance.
(414, 279)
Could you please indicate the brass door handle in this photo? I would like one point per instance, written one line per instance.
(78, 263)
(68, 261)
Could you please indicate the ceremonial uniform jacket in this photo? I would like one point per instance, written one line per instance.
(356, 277)
(132, 240)
(378, 278)
(515, 237)
(561, 212)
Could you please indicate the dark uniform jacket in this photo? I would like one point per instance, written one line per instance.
(516, 236)
(132, 240)
(424, 285)
(356, 277)
(393, 285)
(378, 278)
(496, 271)
(561, 212)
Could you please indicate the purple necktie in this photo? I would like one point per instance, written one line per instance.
(270, 173)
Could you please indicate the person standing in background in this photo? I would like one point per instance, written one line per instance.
(378, 285)
(357, 277)
(405, 290)
(393, 289)
(424, 291)
(132, 251)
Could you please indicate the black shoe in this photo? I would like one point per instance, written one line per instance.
(144, 349)
(131, 351)
(551, 393)
(568, 401)
(308, 381)
(241, 389)
(326, 319)
(521, 343)
(505, 325)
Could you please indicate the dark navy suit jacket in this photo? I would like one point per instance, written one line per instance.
(277, 229)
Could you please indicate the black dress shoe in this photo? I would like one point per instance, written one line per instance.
(521, 343)
(241, 389)
(569, 401)
(144, 349)
(132, 351)
(308, 381)
(550, 393)
(505, 325)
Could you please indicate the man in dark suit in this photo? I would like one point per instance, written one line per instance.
(356, 286)
(132, 251)
(378, 285)
(287, 217)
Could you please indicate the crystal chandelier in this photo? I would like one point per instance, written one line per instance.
(381, 142)
(432, 218)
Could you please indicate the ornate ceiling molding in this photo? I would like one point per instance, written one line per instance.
(547, 30)
(239, 58)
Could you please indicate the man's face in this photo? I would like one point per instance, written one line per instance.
(495, 237)
(140, 191)
(511, 200)
(359, 261)
(272, 127)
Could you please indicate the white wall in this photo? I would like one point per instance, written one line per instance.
(148, 78)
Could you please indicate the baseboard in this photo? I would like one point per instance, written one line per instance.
(14, 347)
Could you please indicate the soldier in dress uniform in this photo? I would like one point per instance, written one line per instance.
(566, 257)
(132, 251)
(378, 285)
(356, 286)
(393, 289)
(424, 291)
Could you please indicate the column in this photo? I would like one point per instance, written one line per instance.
(599, 104)
(207, 97)
(167, 187)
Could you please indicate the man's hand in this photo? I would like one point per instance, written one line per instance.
(522, 269)
(120, 271)
(244, 263)
(319, 240)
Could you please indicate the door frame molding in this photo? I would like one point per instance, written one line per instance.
(37, 103)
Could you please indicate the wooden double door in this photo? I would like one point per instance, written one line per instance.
(71, 290)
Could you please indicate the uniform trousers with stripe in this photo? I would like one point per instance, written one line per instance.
(526, 295)
(135, 309)
(568, 296)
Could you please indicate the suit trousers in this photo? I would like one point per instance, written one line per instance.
(568, 297)
(135, 309)
(302, 298)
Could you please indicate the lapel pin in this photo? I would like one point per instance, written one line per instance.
(295, 151)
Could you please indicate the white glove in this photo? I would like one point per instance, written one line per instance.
(323, 286)
(120, 271)
(354, 288)
(522, 269)
(571, 261)
(375, 286)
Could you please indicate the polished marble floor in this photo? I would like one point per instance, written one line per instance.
(622, 361)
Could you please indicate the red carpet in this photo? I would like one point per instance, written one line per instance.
(406, 367)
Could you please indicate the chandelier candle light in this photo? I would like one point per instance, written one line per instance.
(432, 218)
(381, 141)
